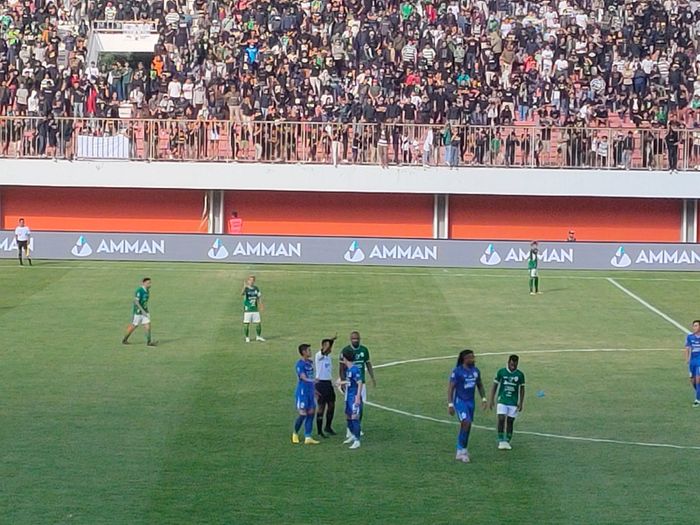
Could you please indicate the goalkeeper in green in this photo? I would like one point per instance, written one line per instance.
(532, 268)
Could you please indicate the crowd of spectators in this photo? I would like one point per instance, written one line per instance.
(467, 63)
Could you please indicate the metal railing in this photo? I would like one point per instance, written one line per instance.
(245, 140)
(125, 26)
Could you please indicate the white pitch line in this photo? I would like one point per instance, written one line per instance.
(557, 351)
(529, 432)
(539, 434)
(648, 306)
(368, 270)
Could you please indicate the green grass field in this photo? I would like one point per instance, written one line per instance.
(197, 430)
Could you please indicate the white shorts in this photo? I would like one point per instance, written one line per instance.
(140, 319)
(251, 317)
(507, 410)
(533, 273)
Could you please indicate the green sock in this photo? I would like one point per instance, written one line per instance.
(148, 336)
(500, 436)
(537, 284)
(532, 284)
(246, 329)
(509, 436)
(258, 329)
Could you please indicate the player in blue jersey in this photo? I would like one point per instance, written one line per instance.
(692, 357)
(353, 398)
(464, 380)
(305, 396)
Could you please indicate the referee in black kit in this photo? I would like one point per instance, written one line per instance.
(325, 393)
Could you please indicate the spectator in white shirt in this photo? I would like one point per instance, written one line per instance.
(22, 237)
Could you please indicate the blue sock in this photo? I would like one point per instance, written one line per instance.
(358, 429)
(461, 439)
(308, 425)
(465, 440)
(297, 424)
(697, 390)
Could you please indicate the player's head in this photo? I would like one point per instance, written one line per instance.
(21, 221)
(146, 282)
(696, 326)
(304, 350)
(466, 358)
(326, 346)
(534, 245)
(355, 338)
(250, 281)
(348, 357)
(513, 362)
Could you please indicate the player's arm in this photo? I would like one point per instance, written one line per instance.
(482, 391)
(521, 398)
(450, 397)
(687, 354)
(137, 302)
(358, 397)
(371, 373)
(492, 392)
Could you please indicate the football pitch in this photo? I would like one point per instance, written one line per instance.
(197, 430)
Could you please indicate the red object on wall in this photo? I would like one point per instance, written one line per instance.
(333, 214)
(104, 209)
(550, 218)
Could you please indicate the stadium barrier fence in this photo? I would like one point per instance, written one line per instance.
(285, 142)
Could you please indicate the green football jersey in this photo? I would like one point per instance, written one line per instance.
(532, 260)
(509, 386)
(142, 296)
(361, 358)
(251, 298)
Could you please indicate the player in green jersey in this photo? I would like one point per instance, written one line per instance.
(252, 307)
(510, 384)
(362, 361)
(140, 312)
(532, 268)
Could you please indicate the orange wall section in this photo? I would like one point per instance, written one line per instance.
(103, 209)
(550, 218)
(332, 214)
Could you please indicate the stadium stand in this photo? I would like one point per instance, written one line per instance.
(595, 83)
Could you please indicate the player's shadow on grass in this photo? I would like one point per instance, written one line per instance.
(555, 290)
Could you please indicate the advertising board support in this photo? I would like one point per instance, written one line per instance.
(689, 222)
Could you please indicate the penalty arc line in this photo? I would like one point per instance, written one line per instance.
(650, 307)
(529, 432)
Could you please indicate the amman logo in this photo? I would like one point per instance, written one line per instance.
(621, 259)
(217, 250)
(81, 248)
(354, 253)
(490, 256)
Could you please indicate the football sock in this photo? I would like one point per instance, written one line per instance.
(298, 423)
(308, 425)
(258, 329)
(358, 429)
(246, 329)
(501, 436)
(697, 390)
(148, 336)
(462, 439)
(509, 428)
(537, 284)
(319, 422)
(20, 257)
(330, 411)
(509, 436)
(532, 284)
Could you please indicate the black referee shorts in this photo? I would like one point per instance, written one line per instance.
(326, 392)
(22, 245)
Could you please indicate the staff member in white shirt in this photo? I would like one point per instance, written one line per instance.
(22, 236)
(325, 394)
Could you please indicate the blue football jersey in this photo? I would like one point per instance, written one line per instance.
(353, 376)
(464, 380)
(305, 367)
(693, 343)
